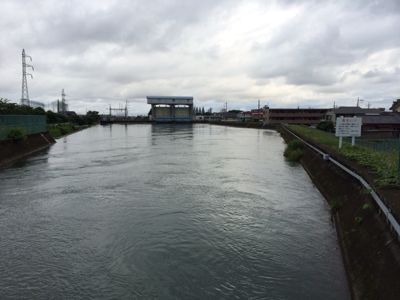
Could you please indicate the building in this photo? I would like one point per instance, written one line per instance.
(171, 109)
(253, 115)
(376, 123)
(395, 106)
(352, 111)
(230, 116)
(385, 125)
(302, 116)
(245, 116)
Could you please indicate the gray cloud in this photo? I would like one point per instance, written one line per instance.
(286, 52)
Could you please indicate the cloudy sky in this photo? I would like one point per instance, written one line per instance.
(286, 53)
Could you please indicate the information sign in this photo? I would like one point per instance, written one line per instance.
(346, 127)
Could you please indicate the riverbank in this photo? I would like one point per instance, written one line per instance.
(256, 125)
(371, 253)
(13, 150)
(59, 130)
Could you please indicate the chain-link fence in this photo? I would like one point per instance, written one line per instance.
(390, 146)
(385, 145)
(30, 124)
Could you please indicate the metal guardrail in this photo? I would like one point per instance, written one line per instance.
(384, 209)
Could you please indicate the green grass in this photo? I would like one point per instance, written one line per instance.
(383, 164)
(59, 130)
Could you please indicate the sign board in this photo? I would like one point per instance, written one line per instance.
(346, 127)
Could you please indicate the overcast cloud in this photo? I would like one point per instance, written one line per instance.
(285, 53)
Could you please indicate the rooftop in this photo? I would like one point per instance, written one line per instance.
(358, 110)
(169, 100)
(386, 118)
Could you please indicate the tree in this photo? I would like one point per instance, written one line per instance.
(92, 117)
(8, 108)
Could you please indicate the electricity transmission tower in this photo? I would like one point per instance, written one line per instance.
(63, 104)
(24, 92)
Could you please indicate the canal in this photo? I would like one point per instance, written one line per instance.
(168, 212)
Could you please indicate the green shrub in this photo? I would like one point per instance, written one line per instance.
(58, 130)
(294, 155)
(366, 206)
(358, 219)
(326, 126)
(16, 134)
(294, 151)
(295, 144)
(54, 131)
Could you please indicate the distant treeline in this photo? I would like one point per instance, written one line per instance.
(201, 111)
(8, 108)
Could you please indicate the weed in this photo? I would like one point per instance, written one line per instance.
(358, 219)
(16, 134)
(366, 206)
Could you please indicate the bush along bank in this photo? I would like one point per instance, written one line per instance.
(294, 151)
(16, 134)
(370, 252)
(60, 130)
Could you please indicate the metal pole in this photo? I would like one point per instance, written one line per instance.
(398, 164)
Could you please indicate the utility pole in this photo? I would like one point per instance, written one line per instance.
(24, 91)
(258, 104)
(126, 108)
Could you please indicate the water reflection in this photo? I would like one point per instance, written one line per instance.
(165, 132)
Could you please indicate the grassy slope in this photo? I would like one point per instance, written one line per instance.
(383, 164)
(59, 130)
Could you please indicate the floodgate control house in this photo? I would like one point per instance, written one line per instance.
(171, 109)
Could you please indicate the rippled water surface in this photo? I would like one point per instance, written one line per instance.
(170, 212)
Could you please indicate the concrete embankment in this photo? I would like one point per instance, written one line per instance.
(370, 251)
(11, 151)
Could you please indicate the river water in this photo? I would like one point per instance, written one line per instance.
(166, 212)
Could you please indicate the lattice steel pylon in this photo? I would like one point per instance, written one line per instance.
(25, 92)
(63, 103)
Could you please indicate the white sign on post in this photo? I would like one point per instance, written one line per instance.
(346, 127)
